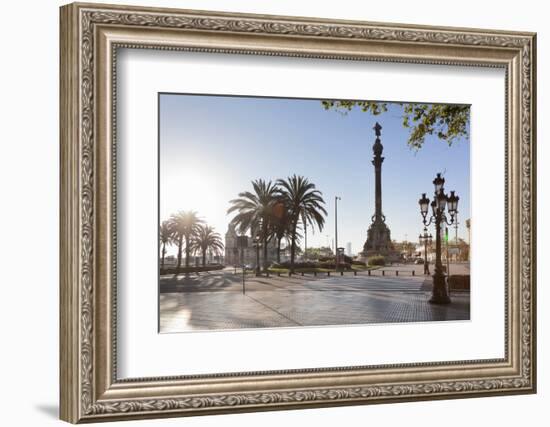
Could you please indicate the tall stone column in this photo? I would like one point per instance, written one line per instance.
(378, 235)
(377, 162)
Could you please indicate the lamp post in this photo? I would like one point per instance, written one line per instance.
(425, 239)
(336, 198)
(440, 295)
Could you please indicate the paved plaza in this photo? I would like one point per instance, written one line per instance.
(215, 300)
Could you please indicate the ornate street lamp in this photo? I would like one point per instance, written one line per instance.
(438, 182)
(425, 239)
(439, 204)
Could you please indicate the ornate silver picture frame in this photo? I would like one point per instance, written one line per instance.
(91, 37)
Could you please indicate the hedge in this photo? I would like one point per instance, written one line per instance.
(194, 269)
(459, 282)
(376, 260)
(329, 265)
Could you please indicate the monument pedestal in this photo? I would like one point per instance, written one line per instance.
(378, 239)
(379, 243)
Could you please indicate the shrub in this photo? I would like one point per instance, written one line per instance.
(459, 282)
(329, 265)
(376, 260)
(194, 269)
(357, 262)
(304, 264)
(345, 258)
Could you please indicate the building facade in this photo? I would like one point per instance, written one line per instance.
(240, 249)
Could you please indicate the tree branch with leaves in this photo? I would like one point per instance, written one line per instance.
(448, 122)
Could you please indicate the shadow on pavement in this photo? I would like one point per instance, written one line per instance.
(193, 282)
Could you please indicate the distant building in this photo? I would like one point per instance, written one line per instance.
(237, 255)
(348, 249)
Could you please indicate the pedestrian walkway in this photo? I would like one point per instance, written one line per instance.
(216, 301)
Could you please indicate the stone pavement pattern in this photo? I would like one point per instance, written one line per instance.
(215, 301)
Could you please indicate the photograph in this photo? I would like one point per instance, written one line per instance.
(290, 212)
(269, 210)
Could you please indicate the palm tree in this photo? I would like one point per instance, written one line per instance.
(166, 237)
(185, 225)
(280, 224)
(303, 201)
(207, 239)
(255, 210)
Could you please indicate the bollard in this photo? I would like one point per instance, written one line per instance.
(289, 273)
(355, 272)
(413, 272)
(328, 273)
(383, 273)
(341, 273)
(315, 273)
(397, 272)
(279, 274)
(302, 273)
(368, 271)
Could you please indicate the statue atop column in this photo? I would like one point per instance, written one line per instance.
(378, 235)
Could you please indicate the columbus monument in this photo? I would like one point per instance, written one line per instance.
(378, 235)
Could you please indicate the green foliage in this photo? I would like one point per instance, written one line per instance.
(447, 122)
(303, 264)
(184, 226)
(167, 236)
(193, 269)
(376, 260)
(277, 210)
(206, 239)
(404, 247)
(166, 233)
(254, 208)
(304, 203)
(459, 282)
(343, 258)
(330, 265)
(256, 211)
(317, 253)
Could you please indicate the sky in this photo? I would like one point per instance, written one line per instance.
(212, 147)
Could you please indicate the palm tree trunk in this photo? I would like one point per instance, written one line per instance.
(265, 254)
(293, 247)
(203, 257)
(279, 250)
(180, 246)
(264, 235)
(305, 240)
(163, 254)
(187, 251)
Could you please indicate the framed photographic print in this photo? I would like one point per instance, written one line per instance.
(264, 212)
